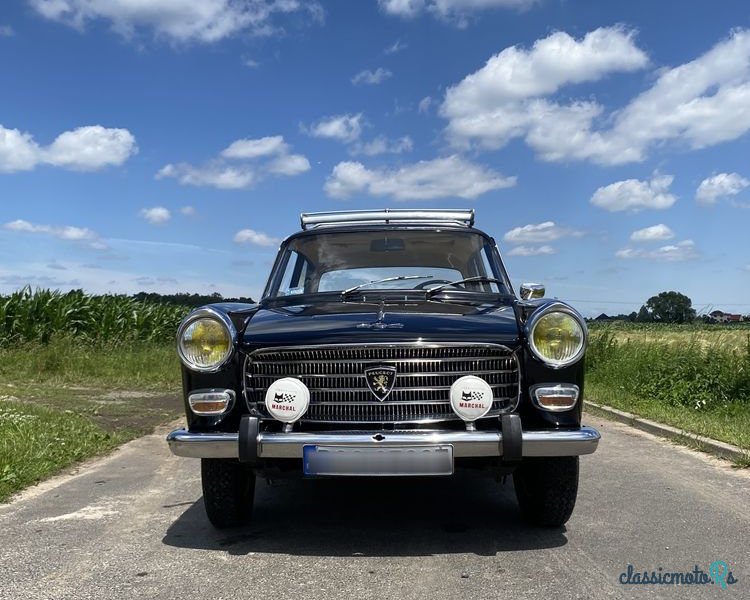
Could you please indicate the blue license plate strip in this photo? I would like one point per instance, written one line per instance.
(383, 461)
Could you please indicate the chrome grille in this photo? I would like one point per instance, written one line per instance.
(425, 373)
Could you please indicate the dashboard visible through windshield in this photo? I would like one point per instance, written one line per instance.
(385, 260)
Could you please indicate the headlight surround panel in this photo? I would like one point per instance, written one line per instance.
(205, 340)
(556, 335)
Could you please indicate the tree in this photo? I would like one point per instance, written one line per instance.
(668, 307)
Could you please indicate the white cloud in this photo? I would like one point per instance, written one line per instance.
(345, 128)
(532, 251)
(397, 46)
(240, 165)
(634, 195)
(6, 31)
(457, 11)
(543, 232)
(63, 232)
(383, 145)
(187, 211)
(649, 234)
(425, 180)
(83, 149)
(90, 148)
(698, 104)
(679, 252)
(205, 21)
(255, 148)
(213, 175)
(289, 164)
(425, 104)
(257, 238)
(368, 77)
(250, 62)
(719, 186)
(156, 215)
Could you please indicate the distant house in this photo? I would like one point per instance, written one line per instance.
(719, 316)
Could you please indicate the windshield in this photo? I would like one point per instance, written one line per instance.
(385, 260)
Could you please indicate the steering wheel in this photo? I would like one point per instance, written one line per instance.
(421, 286)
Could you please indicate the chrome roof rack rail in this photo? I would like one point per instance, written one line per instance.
(463, 217)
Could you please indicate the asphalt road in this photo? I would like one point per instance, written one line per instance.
(132, 525)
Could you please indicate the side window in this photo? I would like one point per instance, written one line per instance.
(295, 274)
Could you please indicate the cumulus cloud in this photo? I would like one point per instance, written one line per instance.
(182, 21)
(368, 77)
(188, 211)
(456, 11)
(634, 195)
(697, 104)
(679, 252)
(63, 232)
(425, 104)
(156, 215)
(719, 186)
(383, 145)
(240, 165)
(84, 149)
(532, 251)
(255, 148)
(256, 238)
(344, 128)
(649, 234)
(543, 232)
(447, 177)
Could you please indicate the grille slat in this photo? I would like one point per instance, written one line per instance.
(339, 392)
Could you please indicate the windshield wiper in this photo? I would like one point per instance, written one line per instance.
(351, 290)
(480, 278)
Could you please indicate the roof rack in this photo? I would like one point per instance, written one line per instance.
(464, 217)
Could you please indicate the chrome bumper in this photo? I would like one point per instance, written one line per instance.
(465, 443)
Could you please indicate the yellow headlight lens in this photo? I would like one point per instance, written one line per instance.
(205, 343)
(557, 338)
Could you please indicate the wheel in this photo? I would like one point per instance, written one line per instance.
(228, 492)
(546, 489)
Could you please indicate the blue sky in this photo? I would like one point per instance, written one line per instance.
(168, 145)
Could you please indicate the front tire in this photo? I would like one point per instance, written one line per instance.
(228, 492)
(546, 489)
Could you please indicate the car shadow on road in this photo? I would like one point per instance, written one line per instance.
(384, 517)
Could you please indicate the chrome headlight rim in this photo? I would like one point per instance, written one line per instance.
(531, 323)
(218, 316)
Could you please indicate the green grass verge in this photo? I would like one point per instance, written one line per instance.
(36, 441)
(67, 401)
(729, 423)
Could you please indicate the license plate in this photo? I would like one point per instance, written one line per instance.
(385, 461)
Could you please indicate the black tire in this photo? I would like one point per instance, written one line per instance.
(546, 489)
(228, 492)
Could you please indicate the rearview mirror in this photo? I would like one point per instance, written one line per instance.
(532, 291)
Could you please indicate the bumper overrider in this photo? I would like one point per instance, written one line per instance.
(508, 441)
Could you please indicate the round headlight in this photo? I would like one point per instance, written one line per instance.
(205, 343)
(557, 338)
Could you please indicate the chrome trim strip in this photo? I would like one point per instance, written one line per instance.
(573, 442)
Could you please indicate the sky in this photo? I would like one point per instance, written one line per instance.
(170, 145)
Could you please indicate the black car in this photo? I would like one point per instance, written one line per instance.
(386, 343)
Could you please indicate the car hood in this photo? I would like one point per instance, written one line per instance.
(357, 322)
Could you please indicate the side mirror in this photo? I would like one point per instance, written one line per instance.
(531, 291)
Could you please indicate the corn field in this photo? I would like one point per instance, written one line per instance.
(28, 316)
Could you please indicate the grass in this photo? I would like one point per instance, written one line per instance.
(694, 378)
(67, 400)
